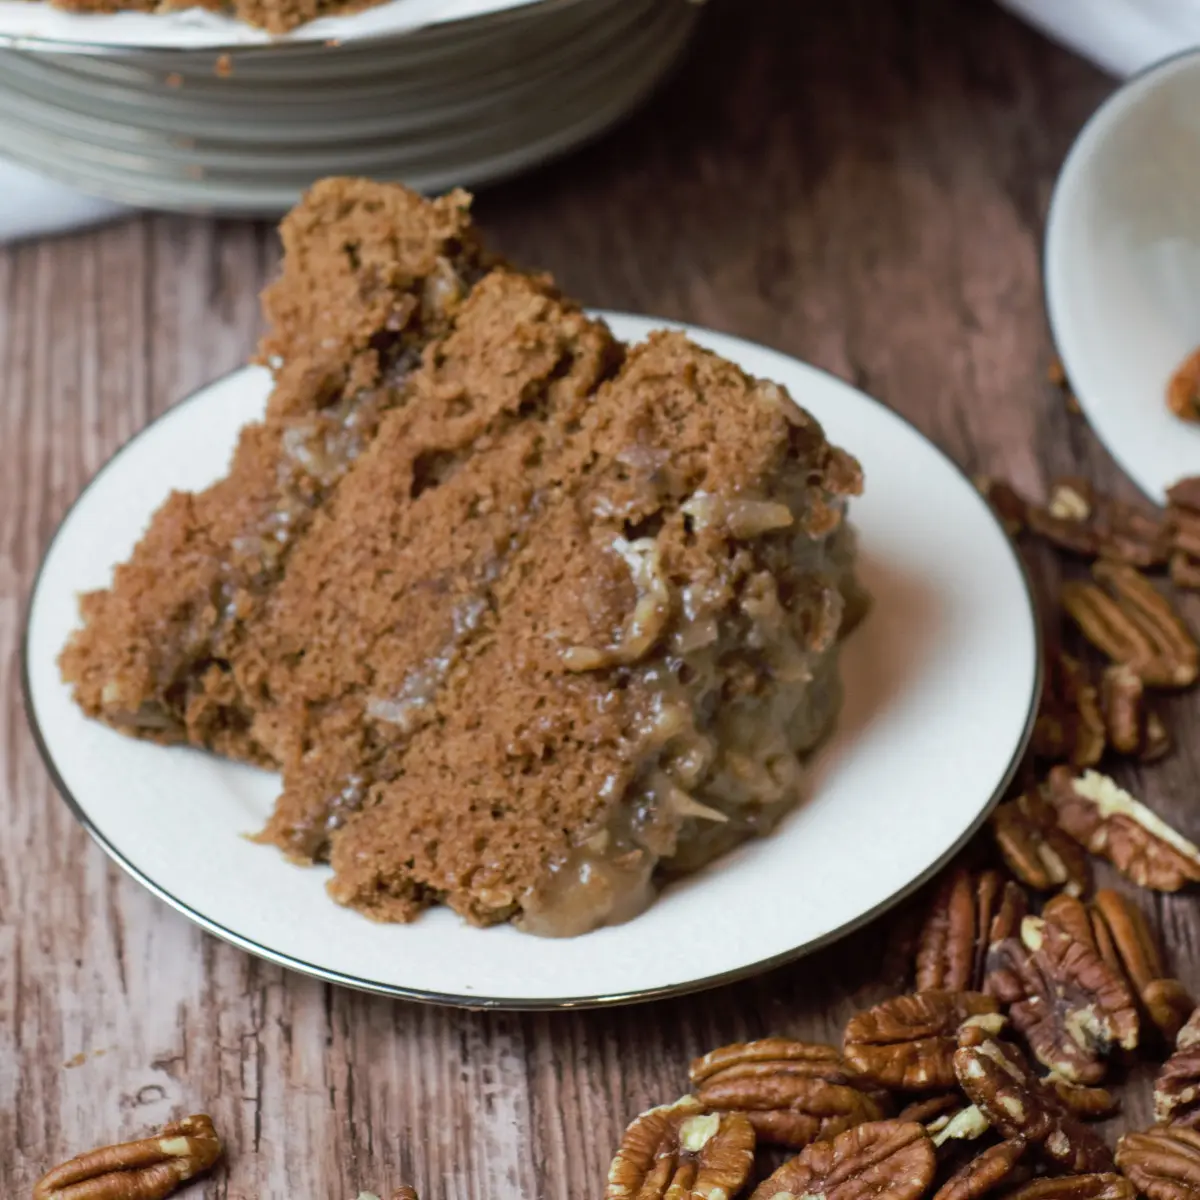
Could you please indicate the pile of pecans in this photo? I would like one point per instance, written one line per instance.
(1028, 989)
(1118, 610)
(980, 1082)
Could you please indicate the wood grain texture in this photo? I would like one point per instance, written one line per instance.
(862, 184)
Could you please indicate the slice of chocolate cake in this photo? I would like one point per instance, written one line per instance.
(563, 623)
(371, 277)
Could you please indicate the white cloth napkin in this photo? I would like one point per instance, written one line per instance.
(1120, 36)
(31, 205)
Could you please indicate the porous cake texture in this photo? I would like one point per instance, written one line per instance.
(528, 620)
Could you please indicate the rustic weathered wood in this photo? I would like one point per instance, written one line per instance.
(862, 184)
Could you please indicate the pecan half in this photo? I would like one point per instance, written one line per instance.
(1183, 390)
(791, 1092)
(683, 1151)
(1087, 1103)
(1166, 1000)
(1071, 914)
(882, 1160)
(1065, 526)
(1132, 727)
(1013, 909)
(1079, 521)
(998, 1078)
(1100, 1186)
(1072, 1008)
(1006, 502)
(1163, 1162)
(1185, 571)
(1035, 849)
(1185, 529)
(983, 1173)
(1169, 1005)
(149, 1169)
(1069, 726)
(1126, 617)
(957, 929)
(1131, 937)
(1128, 534)
(1177, 1088)
(1185, 493)
(908, 1042)
(1109, 822)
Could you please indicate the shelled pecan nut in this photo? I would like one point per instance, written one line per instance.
(1109, 822)
(1185, 493)
(1177, 1088)
(1184, 571)
(1035, 849)
(1006, 502)
(1123, 615)
(1183, 514)
(1183, 389)
(882, 1160)
(1012, 910)
(149, 1169)
(999, 1079)
(956, 931)
(1131, 535)
(1071, 914)
(1066, 1001)
(1087, 1103)
(1163, 1162)
(1132, 727)
(1169, 1004)
(985, 1172)
(1069, 726)
(1185, 529)
(1079, 521)
(405, 1193)
(1102, 940)
(1064, 530)
(1166, 1000)
(1100, 1186)
(790, 1092)
(684, 1151)
(1131, 936)
(908, 1042)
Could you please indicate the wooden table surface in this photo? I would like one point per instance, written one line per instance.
(862, 184)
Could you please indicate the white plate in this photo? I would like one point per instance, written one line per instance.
(1123, 269)
(35, 24)
(941, 682)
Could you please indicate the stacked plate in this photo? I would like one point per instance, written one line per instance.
(194, 111)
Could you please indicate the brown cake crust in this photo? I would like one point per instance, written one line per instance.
(371, 276)
(529, 621)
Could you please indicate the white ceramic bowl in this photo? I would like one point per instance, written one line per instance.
(1122, 264)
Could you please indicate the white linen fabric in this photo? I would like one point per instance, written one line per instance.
(31, 205)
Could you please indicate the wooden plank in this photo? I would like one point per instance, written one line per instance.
(860, 184)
